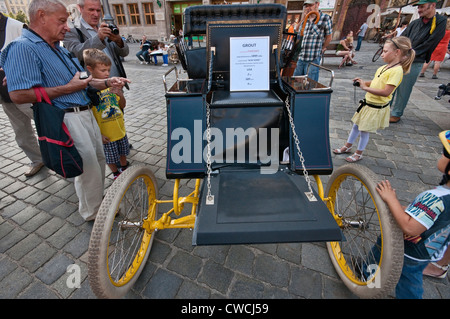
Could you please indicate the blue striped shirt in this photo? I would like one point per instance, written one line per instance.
(29, 61)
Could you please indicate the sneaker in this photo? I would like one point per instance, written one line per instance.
(434, 76)
(122, 168)
(142, 62)
(421, 75)
(164, 65)
(116, 174)
(147, 62)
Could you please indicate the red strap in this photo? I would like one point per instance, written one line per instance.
(45, 95)
(69, 142)
(40, 92)
(61, 163)
(38, 95)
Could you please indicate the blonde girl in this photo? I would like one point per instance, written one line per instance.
(373, 112)
(345, 49)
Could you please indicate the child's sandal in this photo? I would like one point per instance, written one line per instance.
(354, 158)
(343, 150)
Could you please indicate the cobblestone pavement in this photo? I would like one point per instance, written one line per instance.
(41, 232)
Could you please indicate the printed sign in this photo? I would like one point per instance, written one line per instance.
(249, 63)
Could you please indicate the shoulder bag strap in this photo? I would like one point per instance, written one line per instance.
(41, 93)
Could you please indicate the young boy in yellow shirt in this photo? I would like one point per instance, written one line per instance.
(108, 113)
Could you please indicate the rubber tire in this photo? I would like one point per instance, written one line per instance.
(98, 271)
(392, 243)
(377, 54)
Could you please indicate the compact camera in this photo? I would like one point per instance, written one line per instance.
(355, 83)
(113, 28)
(83, 75)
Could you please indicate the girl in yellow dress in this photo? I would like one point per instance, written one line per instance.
(374, 111)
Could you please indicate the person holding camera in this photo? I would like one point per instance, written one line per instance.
(373, 111)
(90, 33)
(44, 63)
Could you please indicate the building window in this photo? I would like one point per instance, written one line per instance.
(134, 13)
(149, 14)
(120, 15)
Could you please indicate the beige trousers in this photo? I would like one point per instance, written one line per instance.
(87, 138)
(20, 116)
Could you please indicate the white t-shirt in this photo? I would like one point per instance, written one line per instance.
(399, 31)
(13, 31)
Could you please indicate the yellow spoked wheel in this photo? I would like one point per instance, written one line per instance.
(119, 245)
(369, 261)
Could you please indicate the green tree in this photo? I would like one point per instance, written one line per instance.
(20, 16)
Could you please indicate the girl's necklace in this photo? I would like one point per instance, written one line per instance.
(387, 68)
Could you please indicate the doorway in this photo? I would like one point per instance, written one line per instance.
(355, 17)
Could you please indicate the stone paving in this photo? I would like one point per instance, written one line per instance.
(42, 234)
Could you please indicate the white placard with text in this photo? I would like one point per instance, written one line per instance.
(249, 63)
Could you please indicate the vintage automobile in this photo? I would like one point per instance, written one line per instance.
(256, 144)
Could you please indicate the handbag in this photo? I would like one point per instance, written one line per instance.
(57, 147)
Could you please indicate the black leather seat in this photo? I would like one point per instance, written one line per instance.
(224, 98)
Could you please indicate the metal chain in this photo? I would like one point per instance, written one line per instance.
(209, 196)
(309, 194)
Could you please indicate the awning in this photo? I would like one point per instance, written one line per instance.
(405, 10)
(445, 11)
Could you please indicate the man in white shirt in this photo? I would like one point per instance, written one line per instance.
(399, 30)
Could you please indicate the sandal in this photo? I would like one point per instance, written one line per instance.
(354, 158)
(443, 268)
(343, 150)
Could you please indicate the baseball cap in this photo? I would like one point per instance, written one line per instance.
(445, 139)
(424, 1)
(314, 1)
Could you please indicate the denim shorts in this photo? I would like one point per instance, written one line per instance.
(410, 285)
